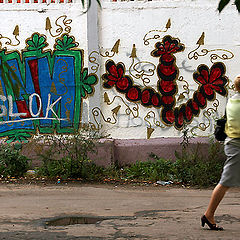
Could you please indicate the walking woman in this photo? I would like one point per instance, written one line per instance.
(231, 171)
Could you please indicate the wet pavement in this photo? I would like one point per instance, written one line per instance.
(84, 211)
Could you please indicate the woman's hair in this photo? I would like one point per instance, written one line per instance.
(237, 83)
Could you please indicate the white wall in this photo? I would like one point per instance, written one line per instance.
(31, 18)
(131, 22)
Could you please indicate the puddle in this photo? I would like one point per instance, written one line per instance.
(64, 221)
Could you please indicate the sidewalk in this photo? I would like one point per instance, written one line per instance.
(129, 212)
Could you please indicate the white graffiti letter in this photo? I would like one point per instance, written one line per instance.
(30, 104)
(10, 106)
(3, 108)
(49, 107)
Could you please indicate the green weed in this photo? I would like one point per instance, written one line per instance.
(159, 169)
(191, 167)
(12, 163)
(195, 168)
(67, 156)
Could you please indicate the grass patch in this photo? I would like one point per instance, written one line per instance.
(67, 158)
(193, 168)
(12, 163)
(190, 168)
(159, 169)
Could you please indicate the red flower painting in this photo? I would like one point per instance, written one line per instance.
(166, 48)
(115, 77)
(212, 80)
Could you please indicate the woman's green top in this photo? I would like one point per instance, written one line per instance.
(232, 127)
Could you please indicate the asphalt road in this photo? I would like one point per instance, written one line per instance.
(124, 212)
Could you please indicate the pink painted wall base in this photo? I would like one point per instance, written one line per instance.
(124, 152)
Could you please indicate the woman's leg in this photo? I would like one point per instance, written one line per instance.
(217, 195)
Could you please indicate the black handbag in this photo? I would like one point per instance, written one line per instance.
(219, 131)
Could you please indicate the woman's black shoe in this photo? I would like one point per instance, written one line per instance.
(211, 226)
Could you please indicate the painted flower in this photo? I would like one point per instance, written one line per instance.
(212, 80)
(168, 116)
(146, 96)
(86, 82)
(65, 43)
(115, 76)
(165, 48)
(167, 88)
(179, 114)
(18, 138)
(134, 93)
(37, 42)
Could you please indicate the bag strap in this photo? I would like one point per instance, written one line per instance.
(225, 114)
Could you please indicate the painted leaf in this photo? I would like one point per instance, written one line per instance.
(19, 137)
(36, 43)
(58, 47)
(71, 46)
(91, 80)
(31, 48)
(35, 39)
(41, 46)
(41, 40)
(88, 88)
(86, 82)
(65, 38)
(30, 43)
(85, 72)
(83, 94)
(69, 41)
(59, 42)
(65, 43)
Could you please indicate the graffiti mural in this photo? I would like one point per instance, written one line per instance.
(210, 81)
(42, 90)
